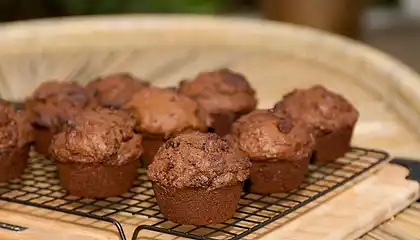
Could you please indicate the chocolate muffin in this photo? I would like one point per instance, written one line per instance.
(115, 90)
(225, 94)
(278, 146)
(330, 116)
(15, 138)
(97, 153)
(51, 105)
(162, 113)
(198, 178)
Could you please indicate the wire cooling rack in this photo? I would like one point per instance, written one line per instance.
(39, 187)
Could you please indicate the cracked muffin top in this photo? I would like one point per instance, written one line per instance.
(161, 111)
(199, 160)
(265, 135)
(221, 91)
(322, 110)
(53, 103)
(99, 136)
(15, 129)
(116, 89)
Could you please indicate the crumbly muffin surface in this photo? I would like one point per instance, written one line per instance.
(198, 160)
(100, 136)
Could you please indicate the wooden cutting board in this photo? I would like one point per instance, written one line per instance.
(404, 226)
(357, 209)
(275, 57)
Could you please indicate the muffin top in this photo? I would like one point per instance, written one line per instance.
(319, 108)
(198, 160)
(115, 90)
(98, 136)
(263, 135)
(15, 129)
(53, 103)
(161, 111)
(221, 91)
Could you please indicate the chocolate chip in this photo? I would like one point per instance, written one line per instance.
(285, 125)
(171, 164)
(203, 147)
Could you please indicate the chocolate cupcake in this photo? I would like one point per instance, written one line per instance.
(226, 95)
(51, 105)
(198, 178)
(278, 146)
(15, 138)
(115, 90)
(330, 116)
(97, 153)
(163, 113)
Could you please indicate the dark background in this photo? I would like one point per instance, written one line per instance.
(11, 10)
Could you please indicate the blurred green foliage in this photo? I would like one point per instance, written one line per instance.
(78, 7)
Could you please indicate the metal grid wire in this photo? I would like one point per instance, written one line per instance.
(39, 187)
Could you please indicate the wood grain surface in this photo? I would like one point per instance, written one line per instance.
(405, 226)
(357, 210)
(276, 58)
(330, 217)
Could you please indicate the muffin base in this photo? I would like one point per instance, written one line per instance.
(277, 176)
(222, 123)
(43, 137)
(13, 163)
(332, 146)
(97, 181)
(198, 206)
(150, 145)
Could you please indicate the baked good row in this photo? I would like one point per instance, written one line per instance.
(200, 140)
